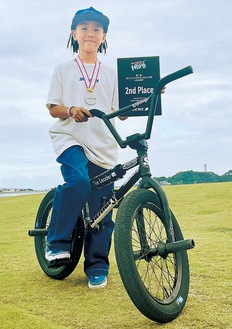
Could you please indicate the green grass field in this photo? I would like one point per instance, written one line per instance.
(29, 299)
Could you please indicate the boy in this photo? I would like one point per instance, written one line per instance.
(83, 144)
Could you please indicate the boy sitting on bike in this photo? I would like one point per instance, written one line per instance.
(83, 144)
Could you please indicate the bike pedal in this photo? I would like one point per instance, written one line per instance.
(59, 262)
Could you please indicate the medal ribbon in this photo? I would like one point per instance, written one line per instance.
(89, 82)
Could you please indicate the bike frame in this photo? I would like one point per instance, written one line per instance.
(138, 142)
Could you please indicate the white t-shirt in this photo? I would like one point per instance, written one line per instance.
(68, 88)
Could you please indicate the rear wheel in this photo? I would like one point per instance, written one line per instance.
(42, 222)
(157, 285)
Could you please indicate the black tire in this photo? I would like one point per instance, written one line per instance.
(42, 222)
(158, 287)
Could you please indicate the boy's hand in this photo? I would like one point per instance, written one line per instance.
(163, 90)
(80, 114)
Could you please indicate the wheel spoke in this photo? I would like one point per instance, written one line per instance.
(156, 273)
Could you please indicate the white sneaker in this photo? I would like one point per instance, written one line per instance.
(52, 255)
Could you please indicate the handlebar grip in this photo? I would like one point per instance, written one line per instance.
(179, 74)
(95, 113)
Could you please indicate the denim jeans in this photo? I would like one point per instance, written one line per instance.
(68, 203)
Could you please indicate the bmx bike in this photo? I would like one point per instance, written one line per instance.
(150, 250)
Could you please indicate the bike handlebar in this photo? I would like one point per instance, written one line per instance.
(173, 76)
(154, 99)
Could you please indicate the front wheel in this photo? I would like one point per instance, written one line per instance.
(158, 286)
(42, 222)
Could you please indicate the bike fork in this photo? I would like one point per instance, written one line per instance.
(148, 182)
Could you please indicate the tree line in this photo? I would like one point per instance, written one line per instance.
(195, 177)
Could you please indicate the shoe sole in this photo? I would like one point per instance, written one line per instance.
(98, 286)
(57, 257)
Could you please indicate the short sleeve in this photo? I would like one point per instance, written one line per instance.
(115, 102)
(55, 92)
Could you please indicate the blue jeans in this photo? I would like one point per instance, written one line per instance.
(68, 203)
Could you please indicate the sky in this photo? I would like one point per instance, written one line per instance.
(195, 127)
